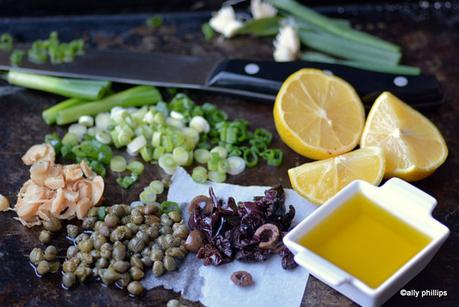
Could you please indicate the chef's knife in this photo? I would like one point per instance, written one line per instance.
(260, 80)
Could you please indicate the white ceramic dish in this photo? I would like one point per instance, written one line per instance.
(401, 199)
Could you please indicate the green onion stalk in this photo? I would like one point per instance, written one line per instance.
(50, 115)
(133, 97)
(72, 88)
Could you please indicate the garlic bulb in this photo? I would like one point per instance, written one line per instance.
(262, 9)
(225, 22)
(286, 44)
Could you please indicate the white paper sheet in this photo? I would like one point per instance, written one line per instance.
(211, 285)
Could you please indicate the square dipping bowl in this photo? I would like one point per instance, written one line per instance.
(397, 199)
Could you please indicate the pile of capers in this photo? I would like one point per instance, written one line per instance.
(45, 261)
(118, 244)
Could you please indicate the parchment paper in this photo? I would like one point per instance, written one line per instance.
(211, 285)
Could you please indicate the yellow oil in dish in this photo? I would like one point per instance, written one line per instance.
(365, 240)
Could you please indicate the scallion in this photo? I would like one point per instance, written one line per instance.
(136, 167)
(199, 174)
(118, 164)
(50, 114)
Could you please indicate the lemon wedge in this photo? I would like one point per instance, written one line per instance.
(412, 145)
(320, 180)
(318, 115)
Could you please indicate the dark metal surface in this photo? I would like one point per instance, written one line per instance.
(430, 38)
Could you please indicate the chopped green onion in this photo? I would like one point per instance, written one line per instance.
(207, 31)
(54, 140)
(86, 120)
(97, 167)
(250, 157)
(136, 144)
(274, 157)
(221, 151)
(258, 146)
(78, 130)
(127, 181)
(70, 139)
(147, 197)
(76, 88)
(156, 186)
(118, 164)
(236, 165)
(16, 57)
(103, 121)
(200, 124)
(217, 176)
(223, 166)
(135, 167)
(103, 137)
(135, 96)
(199, 174)
(146, 153)
(169, 206)
(154, 21)
(180, 155)
(212, 164)
(267, 26)
(6, 42)
(167, 163)
(263, 135)
(202, 156)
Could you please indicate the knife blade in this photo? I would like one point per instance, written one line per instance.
(258, 80)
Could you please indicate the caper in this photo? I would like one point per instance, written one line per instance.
(99, 240)
(181, 232)
(117, 210)
(151, 209)
(169, 240)
(135, 288)
(153, 232)
(70, 265)
(53, 224)
(119, 233)
(86, 258)
(54, 266)
(95, 272)
(95, 254)
(101, 263)
(156, 254)
(43, 267)
(72, 230)
(143, 235)
(110, 276)
(121, 266)
(136, 245)
(104, 230)
(158, 268)
(175, 252)
(36, 255)
(97, 225)
(176, 241)
(89, 222)
(50, 253)
(166, 220)
(161, 240)
(92, 212)
(85, 245)
(146, 261)
(151, 219)
(68, 279)
(136, 262)
(111, 220)
(124, 280)
(145, 252)
(106, 250)
(126, 219)
(165, 230)
(136, 273)
(175, 216)
(132, 227)
(119, 252)
(82, 272)
(137, 219)
(81, 237)
(44, 236)
(169, 263)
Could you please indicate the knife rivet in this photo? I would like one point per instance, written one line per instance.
(251, 69)
(400, 81)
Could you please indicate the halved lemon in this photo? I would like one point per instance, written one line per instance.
(320, 180)
(318, 115)
(413, 146)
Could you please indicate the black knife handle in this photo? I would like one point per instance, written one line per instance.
(266, 77)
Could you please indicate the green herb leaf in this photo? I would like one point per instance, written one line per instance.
(268, 26)
(207, 31)
(154, 21)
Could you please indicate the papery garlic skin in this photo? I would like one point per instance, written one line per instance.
(286, 44)
(225, 22)
(262, 9)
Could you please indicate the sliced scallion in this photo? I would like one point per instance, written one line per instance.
(118, 164)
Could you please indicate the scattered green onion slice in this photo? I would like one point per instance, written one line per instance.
(118, 164)
(202, 156)
(199, 174)
(216, 176)
(156, 186)
(180, 155)
(236, 165)
(250, 157)
(169, 206)
(136, 167)
(273, 157)
(221, 151)
(148, 197)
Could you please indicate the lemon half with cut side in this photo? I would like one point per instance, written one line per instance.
(318, 115)
(320, 180)
(413, 146)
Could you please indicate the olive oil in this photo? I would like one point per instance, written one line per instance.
(365, 240)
